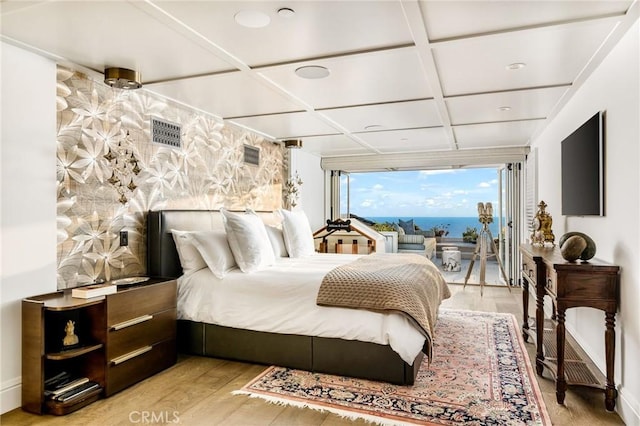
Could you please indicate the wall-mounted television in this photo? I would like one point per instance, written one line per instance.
(583, 169)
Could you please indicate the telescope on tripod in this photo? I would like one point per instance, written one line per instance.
(485, 247)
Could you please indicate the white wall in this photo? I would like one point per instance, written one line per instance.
(28, 209)
(312, 198)
(612, 88)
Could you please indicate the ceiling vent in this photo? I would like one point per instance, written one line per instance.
(251, 155)
(166, 133)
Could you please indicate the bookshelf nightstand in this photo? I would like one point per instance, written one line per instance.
(123, 338)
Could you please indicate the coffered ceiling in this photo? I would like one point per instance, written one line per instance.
(404, 76)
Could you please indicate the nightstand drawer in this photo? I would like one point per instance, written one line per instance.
(529, 269)
(550, 281)
(139, 301)
(139, 364)
(144, 330)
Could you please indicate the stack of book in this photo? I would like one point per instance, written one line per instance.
(64, 388)
(94, 290)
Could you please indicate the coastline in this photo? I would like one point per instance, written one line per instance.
(455, 225)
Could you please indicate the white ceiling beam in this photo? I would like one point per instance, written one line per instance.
(418, 30)
(426, 160)
(614, 17)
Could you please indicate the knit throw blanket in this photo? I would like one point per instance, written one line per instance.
(385, 282)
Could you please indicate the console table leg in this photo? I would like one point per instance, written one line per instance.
(525, 308)
(561, 383)
(610, 391)
(539, 330)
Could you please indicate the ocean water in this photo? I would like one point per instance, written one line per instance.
(455, 225)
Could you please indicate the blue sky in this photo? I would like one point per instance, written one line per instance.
(448, 193)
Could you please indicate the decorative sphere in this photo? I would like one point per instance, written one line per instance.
(572, 248)
(588, 252)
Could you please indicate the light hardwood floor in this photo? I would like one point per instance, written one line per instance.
(197, 390)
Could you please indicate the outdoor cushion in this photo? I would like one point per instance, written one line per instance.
(397, 228)
(408, 226)
(428, 233)
(410, 239)
(410, 246)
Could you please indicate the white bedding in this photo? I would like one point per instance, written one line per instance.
(282, 299)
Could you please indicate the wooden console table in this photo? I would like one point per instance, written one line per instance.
(569, 285)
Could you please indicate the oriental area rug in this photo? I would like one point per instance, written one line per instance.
(480, 374)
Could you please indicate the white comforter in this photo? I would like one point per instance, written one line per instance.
(282, 299)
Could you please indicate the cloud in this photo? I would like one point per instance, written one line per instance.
(488, 184)
(378, 187)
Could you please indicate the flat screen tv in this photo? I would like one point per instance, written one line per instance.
(583, 169)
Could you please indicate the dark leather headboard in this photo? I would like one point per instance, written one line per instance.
(162, 257)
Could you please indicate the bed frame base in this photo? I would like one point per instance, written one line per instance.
(334, 356)
(318, 354)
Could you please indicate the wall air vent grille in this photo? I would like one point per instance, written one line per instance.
(251, 155)
(166, 133)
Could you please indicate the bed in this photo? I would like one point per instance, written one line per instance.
(377, 356)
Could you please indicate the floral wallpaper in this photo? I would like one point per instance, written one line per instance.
(103, 134)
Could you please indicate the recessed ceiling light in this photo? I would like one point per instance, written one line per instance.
(504, 108)
(374, 127)
(286, 12)
(516, 66)
(252, 18)
(312, 72)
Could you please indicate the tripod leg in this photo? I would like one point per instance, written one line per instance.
(473, 259)
(483, 262)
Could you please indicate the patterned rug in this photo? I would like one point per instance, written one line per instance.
(480, 375)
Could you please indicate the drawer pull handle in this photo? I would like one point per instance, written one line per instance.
(131, 322)
(132, 354)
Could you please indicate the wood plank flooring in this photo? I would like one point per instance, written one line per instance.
(197, 391)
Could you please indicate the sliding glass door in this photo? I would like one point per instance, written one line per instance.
(447, 196)
(340, 199)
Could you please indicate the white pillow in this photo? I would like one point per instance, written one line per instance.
(277, 241)
(248, 240)
(215, 251)
(298, 238)
(190, 257)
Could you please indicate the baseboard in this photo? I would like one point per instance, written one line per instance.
(11, 395)
(628, 408)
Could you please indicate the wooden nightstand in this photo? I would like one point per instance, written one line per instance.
(123, 337)
(140, 333)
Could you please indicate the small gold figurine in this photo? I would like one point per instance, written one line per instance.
(70, 339)
(541, 227)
